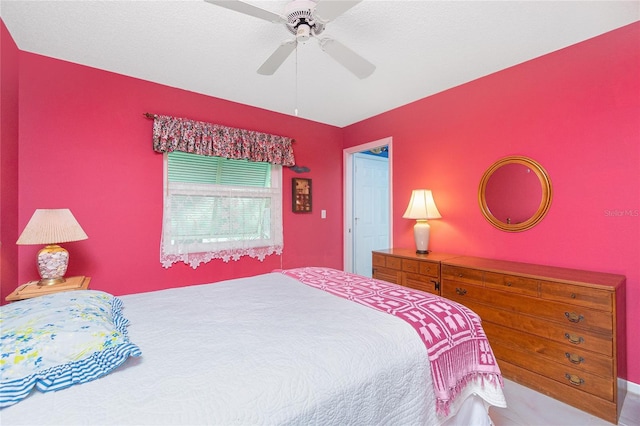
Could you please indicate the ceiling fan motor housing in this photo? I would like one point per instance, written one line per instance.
(300, 19)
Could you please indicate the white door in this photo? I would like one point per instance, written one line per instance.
(370, 209)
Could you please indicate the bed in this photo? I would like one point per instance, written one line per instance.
(300, 346)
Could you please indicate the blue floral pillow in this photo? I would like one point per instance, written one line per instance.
(52, 342)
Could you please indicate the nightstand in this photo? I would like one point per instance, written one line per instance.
(32, 289)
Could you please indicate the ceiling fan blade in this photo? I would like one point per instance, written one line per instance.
(328, 10)
(347, 58)
(248, 9)
(277, 58)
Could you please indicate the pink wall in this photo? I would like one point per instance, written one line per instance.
(85, 145)
(8, 159)
(577, 112)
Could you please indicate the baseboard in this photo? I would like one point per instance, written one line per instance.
(632, 387)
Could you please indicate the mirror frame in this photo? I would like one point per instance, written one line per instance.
(545, 202)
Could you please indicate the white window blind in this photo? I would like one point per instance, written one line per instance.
(220, 208)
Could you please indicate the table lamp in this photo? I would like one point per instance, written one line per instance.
(421, 207)
(51, 227)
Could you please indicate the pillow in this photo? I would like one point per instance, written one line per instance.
(54, 341)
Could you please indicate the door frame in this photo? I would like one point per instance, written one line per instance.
(347, 172)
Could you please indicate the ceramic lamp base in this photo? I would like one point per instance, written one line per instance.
(421, 231)
(52, 264)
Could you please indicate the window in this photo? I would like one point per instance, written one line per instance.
(220, 208)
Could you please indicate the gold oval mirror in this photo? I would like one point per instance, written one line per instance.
(515, 193)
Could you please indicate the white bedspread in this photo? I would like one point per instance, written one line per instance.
(261, 350)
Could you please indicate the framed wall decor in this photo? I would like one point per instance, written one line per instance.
(301, 195)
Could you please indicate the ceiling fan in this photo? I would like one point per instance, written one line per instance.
(305, 19)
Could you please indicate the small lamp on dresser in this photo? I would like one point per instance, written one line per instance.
(51, 227)
(421, 208)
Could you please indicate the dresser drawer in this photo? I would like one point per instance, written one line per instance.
(386, 274)
(576, 295)
(569, 316)
(571, 395)
(423, 283)
(378, 260)
(587, 382)
(462, 275)
(569, 356)
(389, 262)
(394, 263)
(420, 267)
(511, 283)
(430, 268)
(572, 340)
(462, 292)
(411, 265)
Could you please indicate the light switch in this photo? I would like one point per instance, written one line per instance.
(323, 214)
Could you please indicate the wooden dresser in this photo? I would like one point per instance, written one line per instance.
(407, 268)
(555, 330)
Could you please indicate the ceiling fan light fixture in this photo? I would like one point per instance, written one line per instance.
(303, 32)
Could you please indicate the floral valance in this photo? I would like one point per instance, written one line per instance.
(197, 137)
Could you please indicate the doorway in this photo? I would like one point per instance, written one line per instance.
(368, 191)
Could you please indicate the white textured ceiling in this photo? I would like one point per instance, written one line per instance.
(419, 47)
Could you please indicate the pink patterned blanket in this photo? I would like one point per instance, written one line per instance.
(457, 347)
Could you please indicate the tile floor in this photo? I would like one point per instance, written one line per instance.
(530, 408)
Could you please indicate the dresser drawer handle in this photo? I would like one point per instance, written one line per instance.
(461, 291)
(574, 380)
(576, 340)
(508, 284)
(460, 275)
(573, 358)
(573, 317)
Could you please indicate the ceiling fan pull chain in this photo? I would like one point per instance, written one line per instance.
(296, 85)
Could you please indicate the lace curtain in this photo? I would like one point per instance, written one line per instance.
(197, 137)
(222, 221)
(245, 222)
